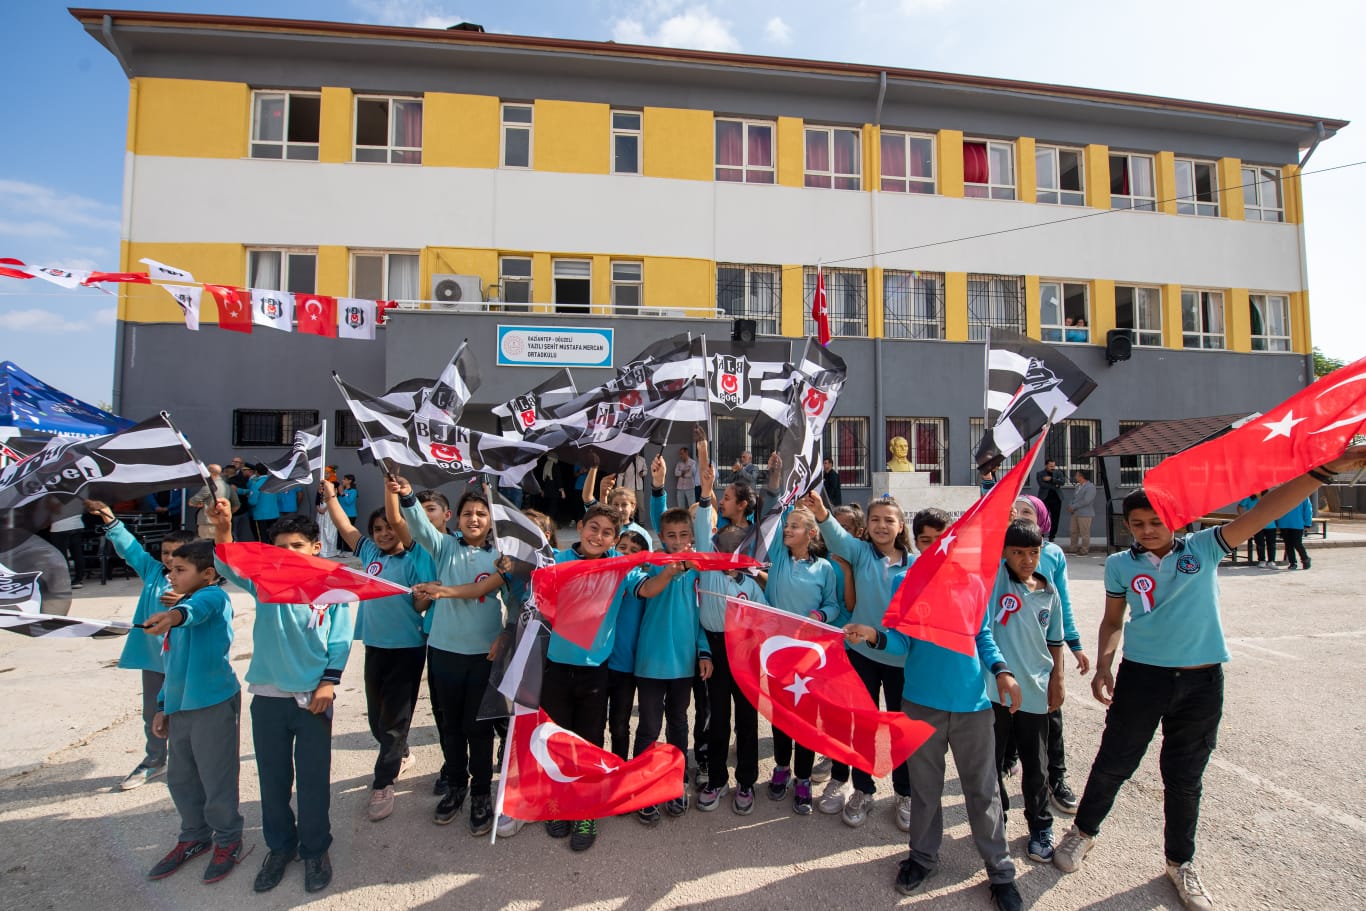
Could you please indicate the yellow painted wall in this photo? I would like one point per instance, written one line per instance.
(1102, 309)
(1164, 164)
(191, 118)
(1097, 176)
(334, 271)
(1033, 307)
(1292, 196)
(1301, 335)
(460, 131)
(872, 157)
(794, 279)
(465, 261)
(791, 154)
(678, 144)
(572, 137)
(542, 283)
(950, 149)
(1171, 317)
(956, 297)
(678, 282)
(1230, 175)
(877, 320)
(217, 264)
(1237, 320)
(335, 132)
(131, 130)
(1026, 171)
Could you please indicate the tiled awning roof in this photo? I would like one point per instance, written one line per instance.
(1164, 438)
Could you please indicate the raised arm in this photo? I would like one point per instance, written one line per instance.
(394, 514)
(1281, 500)
(348, 532)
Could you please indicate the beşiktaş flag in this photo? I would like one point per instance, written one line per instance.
(65, 278)
(187, 296)
(163, 273)
(272, 309)
(446, 398)
(749, 377)
(55, 626)
(459, 451)
(383, 421)
(809, 394)
(527, 410)
(1029, 384)
(520, 539)
(355, 318)
(19, 591)
(303, 466)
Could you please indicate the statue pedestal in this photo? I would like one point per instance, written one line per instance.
(914, 492)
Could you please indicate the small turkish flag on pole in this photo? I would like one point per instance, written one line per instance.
(820, 311)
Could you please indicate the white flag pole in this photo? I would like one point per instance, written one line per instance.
(503, 775)
(322, 472)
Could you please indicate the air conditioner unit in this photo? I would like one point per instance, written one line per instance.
(457, 292)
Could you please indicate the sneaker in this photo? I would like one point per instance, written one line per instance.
(1005, 897)
(743, 803)
(585, 833)
(481, 815)
(801, 797)
(558, 828)
(910, 877)
(1292, 566)
(1189, 887)
(856, 808)
(182, 852)
(678, 806)
(223, 861)
(648, 816)
(1013, 768)
(833, 797)
(709, 799)
(77, 585)
(317, 873)
(1307, 563)
(1063, 799)
(381, 803)
(1261, 564)
(779, 783)
(449, 808)
(1072, 849)
(407, 763)
(141, 775)
(702, 779)
(1041, 846)
(903, 813)
(441, 787)
(273, 870)
(821, 770)
(508, 827)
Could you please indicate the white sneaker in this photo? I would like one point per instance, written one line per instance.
(381, 803)
(903, 813)
(1189, 887)
(141, 775)
(833, 798)
(822, 768)
(508, 827)
(1068, 856)
(856, 808)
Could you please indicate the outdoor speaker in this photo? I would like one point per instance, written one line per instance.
(1119, 345)
(743, 331)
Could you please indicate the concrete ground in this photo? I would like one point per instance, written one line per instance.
(1283, 825)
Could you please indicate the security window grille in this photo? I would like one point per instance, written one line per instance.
(1131, 182)
(732, 438)
(285, 125)
(989, 169)
(1262, 198)
(1059, 173)
(744, 151)
(1197, 188)
(1202, 319)
(1270, 314)
(1063, 312)
(388, 130)
(907, 163)
(1069, 441)
(347, 432)
(514, 283)
(625, 142)
(628, 289)
(751, 292)
(269, 428)
(1132, 468)
(995, 302)
(913, 304)
(846, 444)
(517, 135)
(283, 270)
(833, 159)
(927, 442)
(846, 296)
(1139, 310)
(385, 276)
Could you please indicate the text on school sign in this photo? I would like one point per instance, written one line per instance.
(553, 346)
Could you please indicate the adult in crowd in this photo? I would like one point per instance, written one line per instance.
(1292, 526)
(1081, 511)
(164, 507)
(745, 468)
(216, 489)
(265, 506)
(243, 528)
(831, 480)
(685, 471)
(1050, 482)
(633, 476)
(68, 536)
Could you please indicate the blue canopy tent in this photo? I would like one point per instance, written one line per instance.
(33, 407)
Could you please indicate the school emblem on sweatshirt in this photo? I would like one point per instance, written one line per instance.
(1044, 614)
(1144, 586)
(374, 568)
(1188, 564)
(1008, 604)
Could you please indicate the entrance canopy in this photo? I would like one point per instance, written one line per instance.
(31, 406)
(1164, 438)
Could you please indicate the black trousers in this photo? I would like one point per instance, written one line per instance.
(292, 741)
(701, 720)
(1188, 704)
(1292, 539)
(392, 679)
(663, 703)
(783, 748)
(575, 698)
(621, 699)
(1029, 732)
(1057, 754)
(1266, 545)
(890, 681)
(457, 684)
(723, 693)
(1052, 501)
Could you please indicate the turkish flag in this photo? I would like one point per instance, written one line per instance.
(1310, 428)
(130, 278)
(820, 310)
(7, 261)
(553, 773)
(944, 594)
(317, 314)
(234, 308)
(574, 596)
(380, 308)
(283, 576)
(796, 672)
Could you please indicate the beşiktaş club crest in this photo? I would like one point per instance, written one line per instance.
(730, 380)
(523, 409)
(607, 421)
(354, 316)
(451, 450)
(272, 308)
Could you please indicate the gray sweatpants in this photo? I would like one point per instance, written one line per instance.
(202, 771)
(972, 737)
(155, 756)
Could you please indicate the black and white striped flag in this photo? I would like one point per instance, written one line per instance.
(446, 398)
(527, 410)
(303, 466)
(1029, 384)
(54, 626)
(519, 538)
(19, 591)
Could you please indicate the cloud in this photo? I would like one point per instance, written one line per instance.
(39, 320)
(408, 13)
(37, 211)
(777, 31)
(697, 28)
(912, 7)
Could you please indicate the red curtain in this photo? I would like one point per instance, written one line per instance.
(976, 168)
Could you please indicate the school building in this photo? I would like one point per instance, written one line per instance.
(517, 187)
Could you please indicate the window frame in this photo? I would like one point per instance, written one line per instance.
(410, 154)
(384, 274)
(993, 189)
(1062, 446)
(555, 263)
(910, 325)
(1140, 335)
(1254, 178)
(505, 278)
(1062, 333)
(286, 255)
(346, 433)
(839, 324)
(746, 169)
(834, 177)
(912, 430)
(978, 325)
(728, 428)
(1134, 203)
(1131, 474)
(284, 145)
(1202, 334)
(913, 185)
(766, 321)
(853, 468)
(1191, 203)
(1268, 342)
(1060, 196)
(528, 126)
(289, 421)
(615, 283)
(617, 132)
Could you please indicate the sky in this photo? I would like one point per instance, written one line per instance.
(61, 166)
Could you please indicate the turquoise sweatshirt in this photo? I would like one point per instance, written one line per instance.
(462, 626)
(623, 657)
(939, 678)
(565, 652)
(265, 506)
(671, 638)
(1053, 566)
(876, 579)
(197, 671)
(392, 622)
(140, 652)
(800, 586)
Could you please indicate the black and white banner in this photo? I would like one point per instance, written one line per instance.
(749, 377)
(519, 538)
(303, 466)
(527, 410)
(19, 591)
(188, 297)
(1029, 384)
(272, 309)
(446, 399)
(54, 626)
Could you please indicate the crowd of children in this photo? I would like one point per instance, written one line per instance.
(662, 646)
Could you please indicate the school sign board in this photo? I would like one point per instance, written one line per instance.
(554, 346)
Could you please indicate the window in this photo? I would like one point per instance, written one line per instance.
(285, 125)
(1069, 441)
(347, 431)
(846, 299)
(1197, 188)
(389, 130)
(1140, 311)
(514, 283)
(995, 302)
(928, 441)
(573, 280)
(732, 438)
(907, 163)
(1059, 174)
(1202, 319)
(1132, 468)
(283, 270)
(744, 151)
(1131, 182)
(385, 276)
(913, 304)
(269, 428)
(976, 430)
(1262, 194)
(752, 292)
(625, 142)
(516, 135)
(833, 160)
(628, 288)
(1270, 322)
(989, 169)
(846, 444)
(1063, 312)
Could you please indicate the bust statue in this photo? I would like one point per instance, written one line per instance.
(897, 448)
